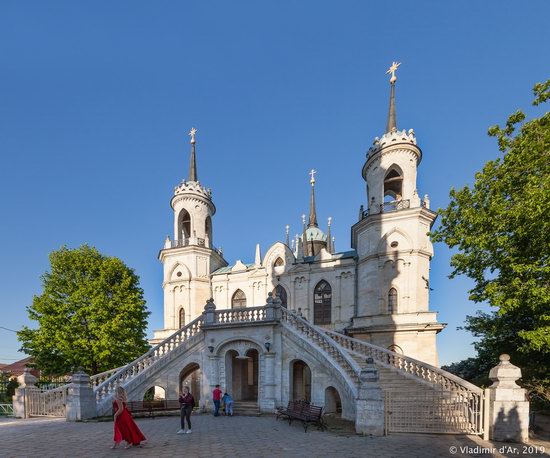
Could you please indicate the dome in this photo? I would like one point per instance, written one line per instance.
(314, 233)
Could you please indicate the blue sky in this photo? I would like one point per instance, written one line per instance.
(96, 99)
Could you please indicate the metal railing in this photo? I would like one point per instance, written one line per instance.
(46, 403)
(6, 410)
(395, 205)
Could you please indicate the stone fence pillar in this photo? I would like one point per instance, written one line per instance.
(26, 382)
(508, 408)
(81, 402)
(369, 417)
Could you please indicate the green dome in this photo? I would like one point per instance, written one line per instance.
(314, 233)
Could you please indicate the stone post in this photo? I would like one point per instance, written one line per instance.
(209, 313)
(273, 308)
(26, 383)
(81, 402)
(508, 411)
(268, 401)
(369, 417)
(270, 307)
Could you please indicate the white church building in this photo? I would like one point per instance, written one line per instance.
(349, 331)
(378, 290)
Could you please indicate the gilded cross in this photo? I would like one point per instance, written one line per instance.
(312, 173)
(392, 70)
(192, 133)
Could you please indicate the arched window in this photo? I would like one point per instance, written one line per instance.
(238, 300)
(182, 318)
(322, 303)
(392, 301)
(184, 225)
(278, 262)
(280, 292)
(393, 184)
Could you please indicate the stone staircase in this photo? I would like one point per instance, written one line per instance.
(246, 408)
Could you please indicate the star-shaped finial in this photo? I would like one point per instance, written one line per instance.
(392, 70)
(192, 134)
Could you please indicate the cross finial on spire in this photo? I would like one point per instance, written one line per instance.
(192, 134)
(193, 159)
(312, 173)
(392, 70)
(392, 117)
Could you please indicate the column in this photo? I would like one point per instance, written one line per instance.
(267, 404)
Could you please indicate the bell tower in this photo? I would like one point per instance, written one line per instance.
(393, 247)
(190, 256)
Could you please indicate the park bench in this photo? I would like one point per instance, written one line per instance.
(150, 407)
(302, 411)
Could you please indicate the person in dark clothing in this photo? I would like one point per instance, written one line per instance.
(187, 402)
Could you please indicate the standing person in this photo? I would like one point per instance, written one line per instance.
(124, 425)
(187, 402)
(228, 404)
(216, 397)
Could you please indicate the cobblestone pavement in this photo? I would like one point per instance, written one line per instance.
(248, 437)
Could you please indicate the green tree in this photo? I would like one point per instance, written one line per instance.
(91, 314)
(500, 227)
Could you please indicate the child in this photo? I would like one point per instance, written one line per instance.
(228, 403)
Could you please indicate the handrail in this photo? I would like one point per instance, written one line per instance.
(349, 365)
(148, 359)
(419, 369)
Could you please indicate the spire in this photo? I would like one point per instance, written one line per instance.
(303, 245)
(312, 212)
(193, 161)
(392, 118)
(329, 241)
(258, 257)
(287, 239)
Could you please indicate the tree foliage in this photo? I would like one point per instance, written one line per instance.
(91, 314)
(500, 227)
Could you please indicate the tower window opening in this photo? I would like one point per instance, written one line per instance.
(279, 262)
(393, 185)
(184, 224)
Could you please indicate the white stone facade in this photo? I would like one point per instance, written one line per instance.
(376, 291)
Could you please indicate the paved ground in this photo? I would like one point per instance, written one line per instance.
(248, 437)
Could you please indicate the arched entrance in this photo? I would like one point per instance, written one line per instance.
(155, 393)
(300, 381)
(333, 403)
(191, 376)
(241, 375)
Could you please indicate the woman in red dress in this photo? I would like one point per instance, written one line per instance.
(125, 426)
